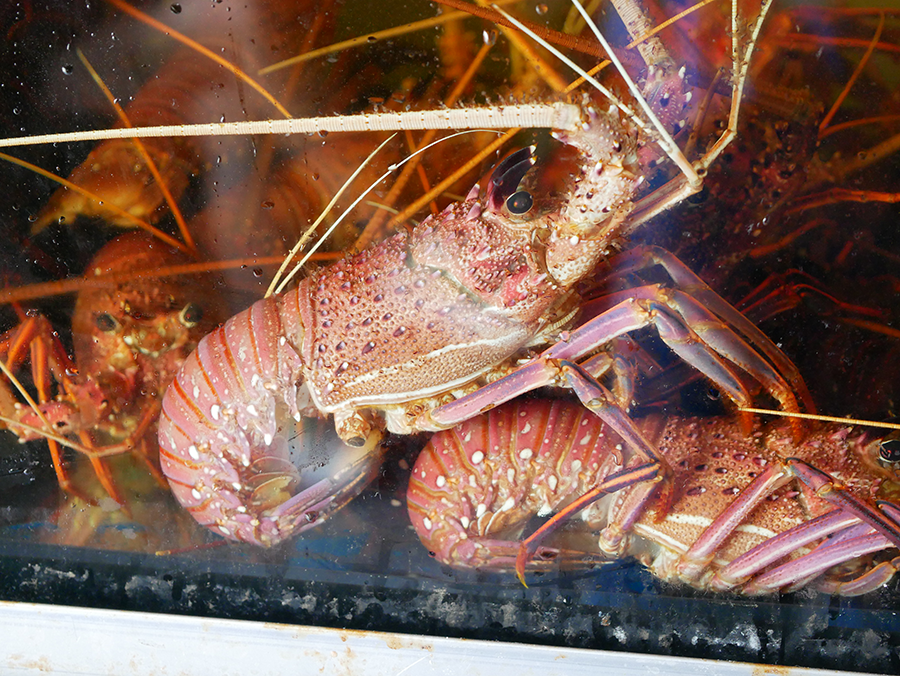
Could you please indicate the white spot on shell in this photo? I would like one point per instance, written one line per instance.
(267, 439)
(576, 465)
(197, 495)
(526, 453)
(477, 457)
(214, 411)
(441, 481)
(527, 428)
(552, 482)
(510, 475)
(196, 392)
(251, 409)
(480, 510)
(464, 521)
(192, 451)
(427, 523)
(224, 530)
(508, 505)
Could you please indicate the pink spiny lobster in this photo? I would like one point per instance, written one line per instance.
(750, 513)
(429, 327)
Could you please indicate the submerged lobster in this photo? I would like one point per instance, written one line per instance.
(750, 513)
(390, 337)
(129, 338)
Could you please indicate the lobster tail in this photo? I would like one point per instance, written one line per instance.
(228, 463)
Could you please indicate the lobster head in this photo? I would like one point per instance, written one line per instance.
(580, 207)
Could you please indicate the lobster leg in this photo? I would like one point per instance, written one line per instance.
(749, 564)
(646, 257)
(800, 569)
(648, 472)
(691, 331)
(864, 583)
(826, 488)
(701, 553)
(850, 510)
(48, 360)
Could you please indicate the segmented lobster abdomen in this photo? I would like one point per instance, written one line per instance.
(223, 436)
(484, 479)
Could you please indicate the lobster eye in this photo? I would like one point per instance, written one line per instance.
(106, 322)
(519, 203)
(190, 315)
(889, 450)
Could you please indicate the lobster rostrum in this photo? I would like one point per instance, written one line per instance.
(429, 328)
(748, 513)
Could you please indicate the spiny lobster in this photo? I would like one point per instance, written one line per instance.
(430, 326)
(749, 513)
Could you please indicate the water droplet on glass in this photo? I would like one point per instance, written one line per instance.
(489, 37)
(541, 9)
(268, 204)
(68, 69)
(371, 39)
(176, 8)
(257, 272)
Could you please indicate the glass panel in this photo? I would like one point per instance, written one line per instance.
(795, 227)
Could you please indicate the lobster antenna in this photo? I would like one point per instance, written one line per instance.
(139, 223)
(28, 398)
(59, 287)
(616, 101)
(45, 434)
(666, 142)
(564, 116)
(312, 228)
(391, 169)
(822, 418)
(415, 26)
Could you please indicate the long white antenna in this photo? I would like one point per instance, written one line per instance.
(563, 116)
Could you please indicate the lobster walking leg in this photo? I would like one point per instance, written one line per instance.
(677, 317)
